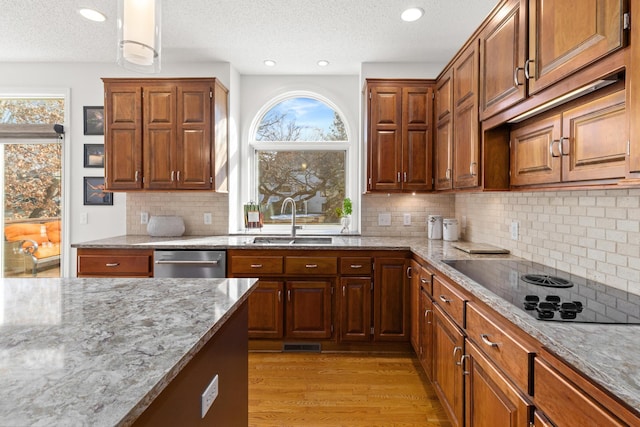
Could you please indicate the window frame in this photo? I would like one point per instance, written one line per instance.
(350, 147)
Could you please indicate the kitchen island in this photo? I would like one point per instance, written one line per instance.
(606, 354)
(100, 352)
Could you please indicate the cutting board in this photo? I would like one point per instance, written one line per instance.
(479, 248)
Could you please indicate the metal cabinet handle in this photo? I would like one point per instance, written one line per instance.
(551, 151)
(354, 266)
(289, 295)
(485, 339)
(256, 265)
(527, 63)
(112, 264)
(405, 177)
(172, 175)
(424, 281)
(444, 299)
(344, 291)
(472, 168)
(515, 76)
(178, 176)
(456, 349)
(447, 174)
(137, 174)
(409, 272)
(398, 180)
(426, 316)
(462, 360)
(279, 296)
(311, 265)
(562, 145)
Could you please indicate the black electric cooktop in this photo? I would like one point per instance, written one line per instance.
(548, 294)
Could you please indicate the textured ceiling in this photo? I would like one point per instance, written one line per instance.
(295, 33)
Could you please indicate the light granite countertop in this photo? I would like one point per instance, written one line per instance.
(98, 351)
(608, 354)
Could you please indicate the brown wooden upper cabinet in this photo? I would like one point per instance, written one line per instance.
(517, 60)
(399, 137)
(165, 134)
(582, 141)
(457, 144)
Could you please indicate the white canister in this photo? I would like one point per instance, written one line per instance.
(434, 227)
(450, 229)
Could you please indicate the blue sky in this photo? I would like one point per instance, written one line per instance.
(308, 112)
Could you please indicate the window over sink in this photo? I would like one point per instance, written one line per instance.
(300, 148)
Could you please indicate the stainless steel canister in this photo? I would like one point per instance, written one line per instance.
(434, 227)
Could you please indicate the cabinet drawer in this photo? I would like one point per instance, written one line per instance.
(510, 354)
(257, 264)
(115, 265)
(311, 265)
(449, 299)
(355, 266)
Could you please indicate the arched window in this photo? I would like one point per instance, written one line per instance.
(300, 145)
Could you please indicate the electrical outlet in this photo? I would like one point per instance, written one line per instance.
(384, 219)
(406, 219)
(209, 395)
(515, 230)
(84, 218)
(207, 218)
(144, 217)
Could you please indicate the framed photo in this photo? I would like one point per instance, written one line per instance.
(93, 120)
(93, 155)
(94, 193)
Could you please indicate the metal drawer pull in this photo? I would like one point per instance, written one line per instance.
(279, 296)
(444, 299)
(177, 262)
(289, 295)
(426, 316)
(112, 264)
(527, 74)
(487, 341)
(423, 280)
(516, 82)
(462, 359)
(256, 265)
(356, 265)
(456, 349)
(344, 291)
(311, 265)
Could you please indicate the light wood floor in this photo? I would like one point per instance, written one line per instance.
(324, 389)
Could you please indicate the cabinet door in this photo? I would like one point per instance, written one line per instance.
(416, 138)
(159, 136)
(564, 38)
(308, 309)
(414, 298)
(266, 310)
(385, 148)
(502, 59)
(355, 308)
(443, 151)
(426, 334)
(123, 136)
(391, 296)
(465, 119)
(535, 152)
(595, 137)
(491, 399)
(448, 345)
(193, 149)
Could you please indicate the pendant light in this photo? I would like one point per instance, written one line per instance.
(139, 35)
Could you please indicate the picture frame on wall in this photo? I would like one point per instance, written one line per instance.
(94, 194)
(93, 120)
(93, 155)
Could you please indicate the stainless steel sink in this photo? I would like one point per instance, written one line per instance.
(281, 240)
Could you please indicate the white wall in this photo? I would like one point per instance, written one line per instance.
(83, 82)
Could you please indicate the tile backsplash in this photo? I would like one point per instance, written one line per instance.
(590, 233)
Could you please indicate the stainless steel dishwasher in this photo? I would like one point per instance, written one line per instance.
(189, 264)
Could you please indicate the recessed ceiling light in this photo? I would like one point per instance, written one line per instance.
(323, 63)
(92, 15)
(269, 62)
(412, 14)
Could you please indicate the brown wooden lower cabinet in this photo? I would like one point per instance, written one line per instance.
(114, 262)
(491, 399)
(426, 355)
(448, 345)
(354, 309)
(266, 310)
(309, 309)
(391, 297)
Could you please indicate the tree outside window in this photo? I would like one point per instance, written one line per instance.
(301, 152)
